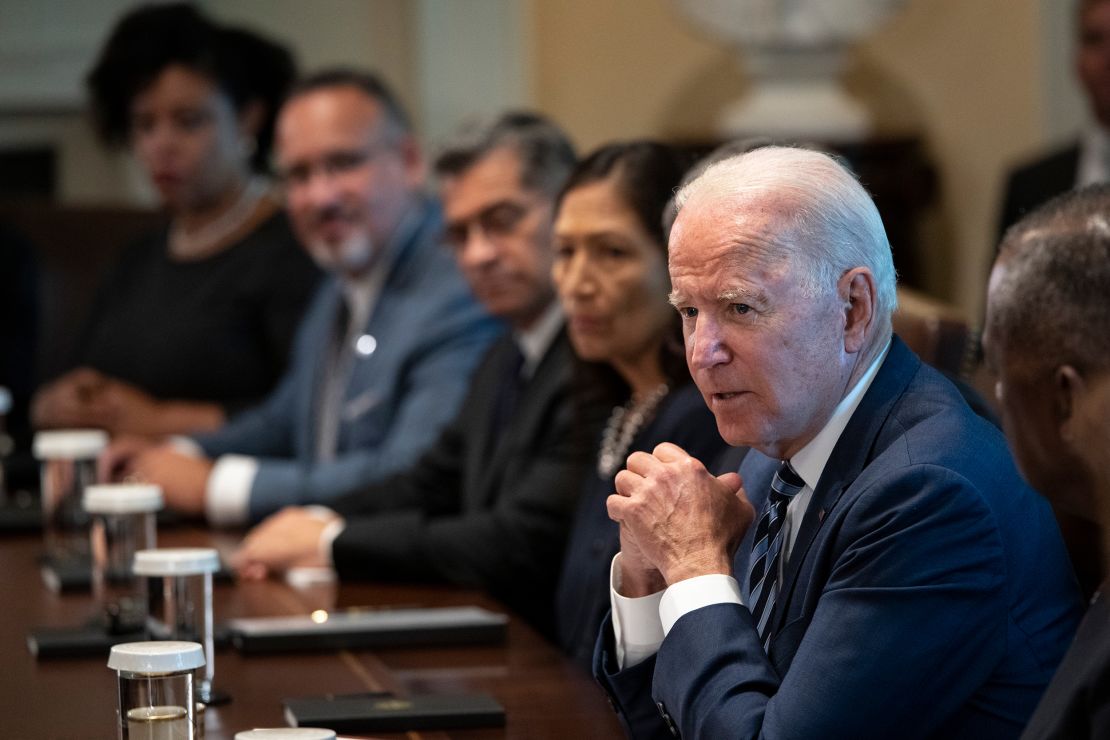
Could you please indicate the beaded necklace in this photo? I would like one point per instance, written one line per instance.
(205, 240)
(624, 423)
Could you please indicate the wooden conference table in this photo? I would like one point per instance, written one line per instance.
(544, 694)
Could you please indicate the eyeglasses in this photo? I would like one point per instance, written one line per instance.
(334, 164)
(495, 222)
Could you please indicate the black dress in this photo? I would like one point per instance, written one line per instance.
(218, 329)
(582, 598)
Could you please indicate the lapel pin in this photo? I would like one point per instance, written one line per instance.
(365, 345)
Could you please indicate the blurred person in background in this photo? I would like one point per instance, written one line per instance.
(1047, 341)
(1084, 161)
(384, 354)
(196, 320)
(611, 273)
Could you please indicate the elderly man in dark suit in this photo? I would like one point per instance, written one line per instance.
(899, 579)
(489, 504)
(1048, 342)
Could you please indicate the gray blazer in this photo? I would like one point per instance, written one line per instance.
(430, 335)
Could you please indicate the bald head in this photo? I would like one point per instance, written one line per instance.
(1047, 341)
(1050, 295)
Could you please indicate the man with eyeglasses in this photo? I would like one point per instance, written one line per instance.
(384, 353)
(489, 505)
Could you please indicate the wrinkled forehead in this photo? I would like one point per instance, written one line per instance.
(737, 232)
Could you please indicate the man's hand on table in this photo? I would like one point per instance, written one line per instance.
(285, 540)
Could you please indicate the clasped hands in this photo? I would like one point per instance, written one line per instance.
(87, 398)
(677, 520)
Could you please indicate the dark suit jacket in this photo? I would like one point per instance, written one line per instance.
(1036, 182)
(479, 509)
(928, 593)
(1076, 705)
(430, 334)
(583, 595)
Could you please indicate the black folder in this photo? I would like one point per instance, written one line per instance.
(382, 713)
(374, 628)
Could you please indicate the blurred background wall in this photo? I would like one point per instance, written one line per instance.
(982, 83)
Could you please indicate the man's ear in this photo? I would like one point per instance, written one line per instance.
(856, 289)
(1068, 389)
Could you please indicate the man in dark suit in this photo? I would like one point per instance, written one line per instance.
(901, 580)
(1048, 342)
(489, 504)
(1082, 162)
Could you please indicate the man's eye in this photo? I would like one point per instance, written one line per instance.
(294, 176)
(190, 120)
(502, 219)
(687, 312)
(344, 162)
(741, 308)
(455, 235)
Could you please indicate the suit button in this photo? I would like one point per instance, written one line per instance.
(666, 718)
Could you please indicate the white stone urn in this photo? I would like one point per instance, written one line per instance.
(794, 51)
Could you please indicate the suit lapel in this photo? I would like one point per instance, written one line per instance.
(484, 433)
(547, 381)
(853, 451)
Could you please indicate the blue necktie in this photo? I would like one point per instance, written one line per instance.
(763, 576)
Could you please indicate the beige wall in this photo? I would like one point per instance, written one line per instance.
(978, 81)
(963, 75)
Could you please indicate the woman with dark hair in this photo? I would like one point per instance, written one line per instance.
(611, 273)
(197, 319)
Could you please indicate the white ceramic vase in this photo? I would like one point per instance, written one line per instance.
(794, 51)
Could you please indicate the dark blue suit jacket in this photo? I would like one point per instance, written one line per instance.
(928, 593)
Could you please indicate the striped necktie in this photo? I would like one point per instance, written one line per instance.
(763, 576)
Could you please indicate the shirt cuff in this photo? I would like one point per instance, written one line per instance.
(335, 526)
(228, 492)
(685, 596)
(185, 445)
(637, 631)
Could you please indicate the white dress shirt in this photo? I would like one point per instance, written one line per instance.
(640, 624)
(1094, 157)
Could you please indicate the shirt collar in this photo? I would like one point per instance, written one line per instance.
(1094, 157)
(535, 340)
(809, 462)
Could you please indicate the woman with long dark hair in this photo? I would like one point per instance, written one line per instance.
(611, 273)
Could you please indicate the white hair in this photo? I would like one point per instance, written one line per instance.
(829, 223)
